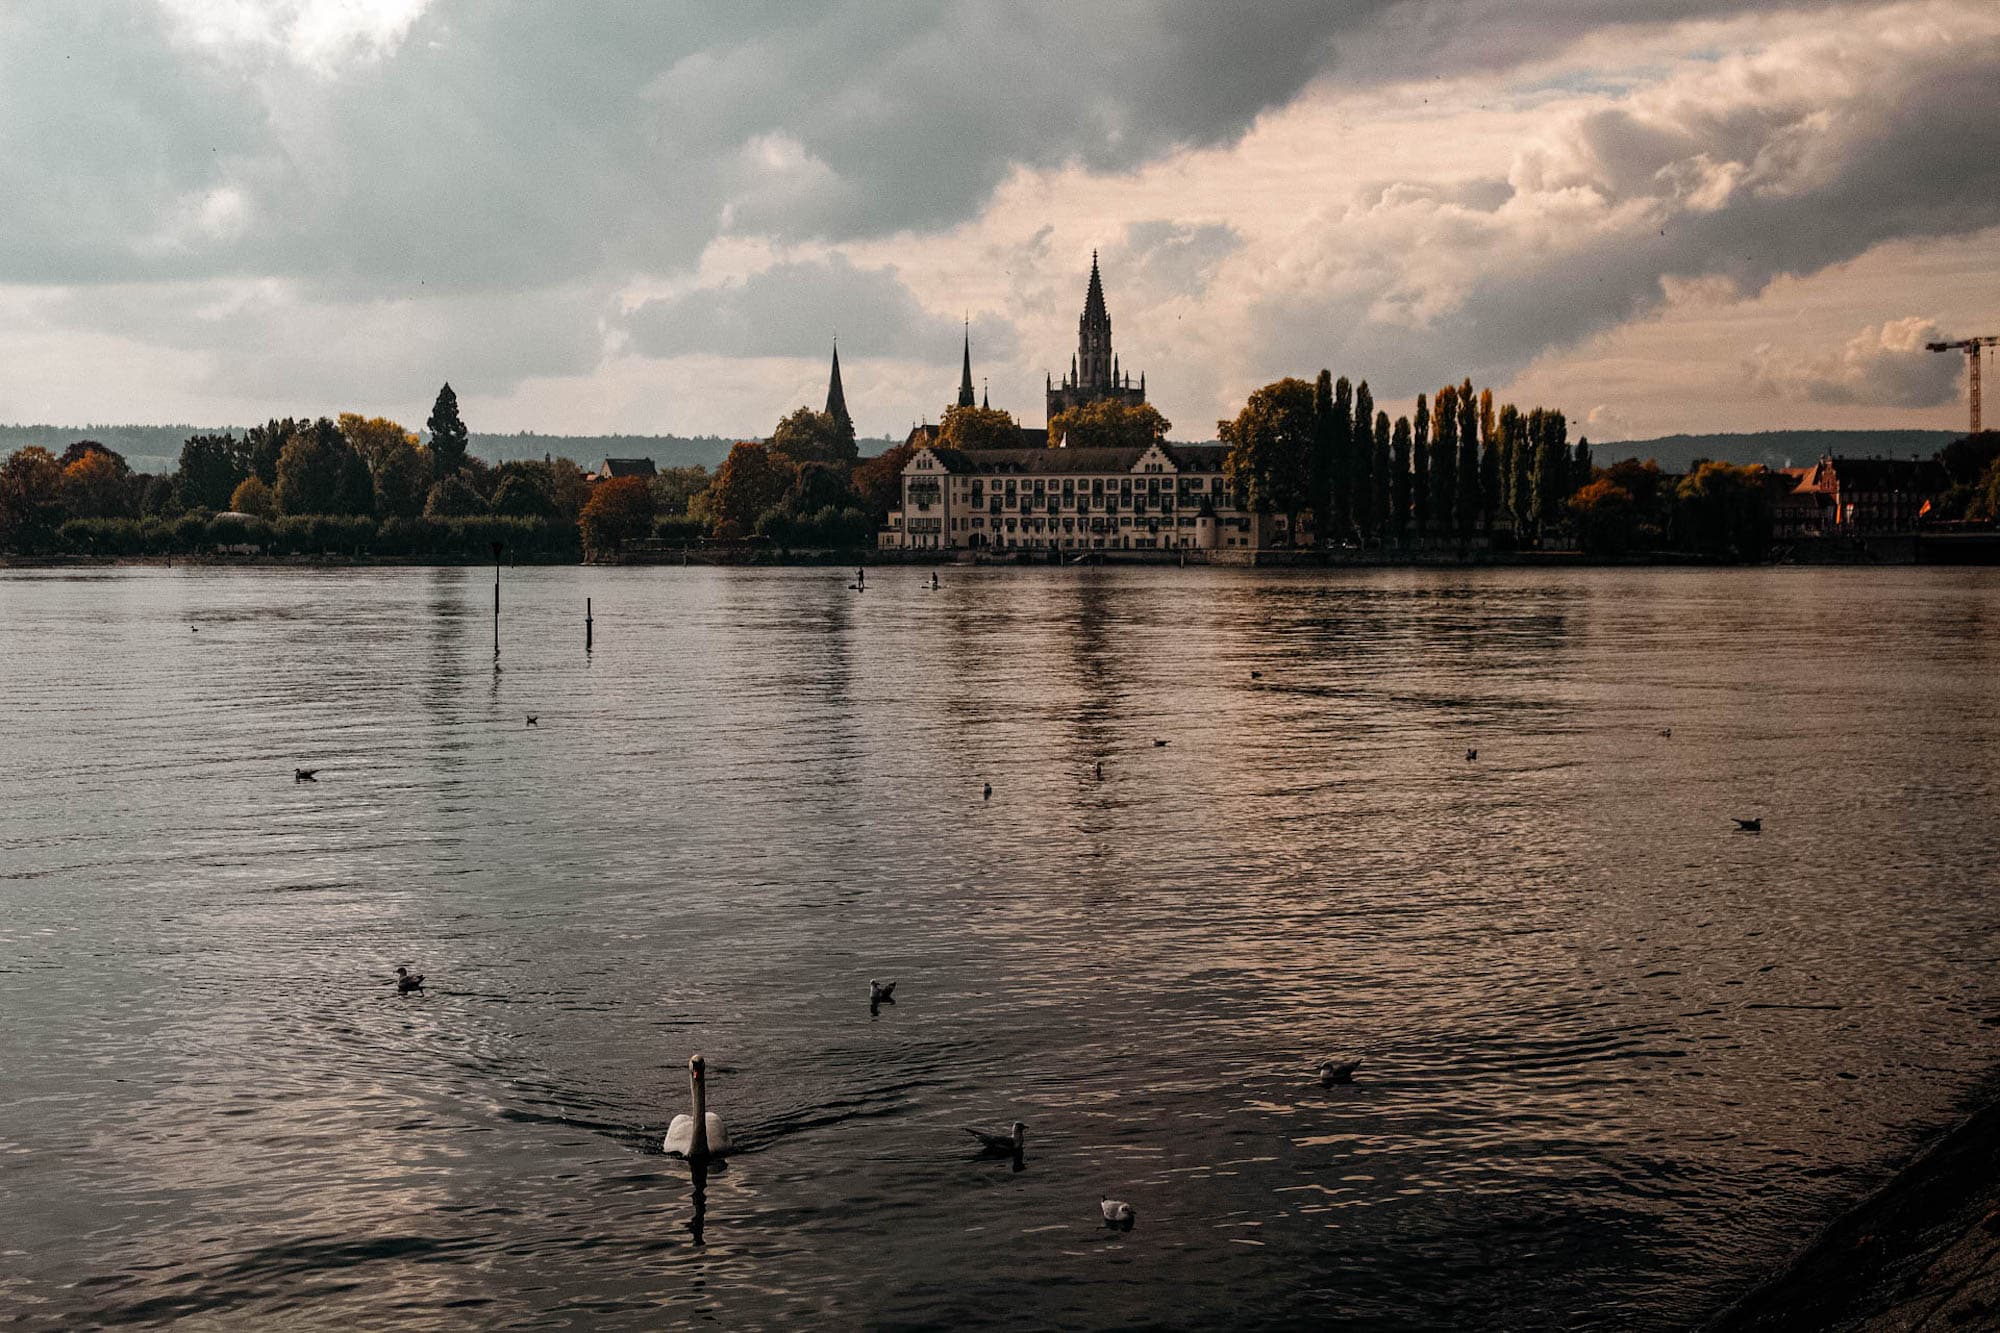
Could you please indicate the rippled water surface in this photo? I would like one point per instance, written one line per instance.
(1618, 1059)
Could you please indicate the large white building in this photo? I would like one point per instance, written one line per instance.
(1160, 498)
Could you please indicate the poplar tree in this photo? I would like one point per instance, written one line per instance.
(1444, 458)
(1580, 469)
(1399, 470)
(1520, 466)
(1322, 469)
(1467, 510)
(1363, 454)
(1489, 462)
(448, 435)
(1420, 468)
(1342, 474)
(1379, 469)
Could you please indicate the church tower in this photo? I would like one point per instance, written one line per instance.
(1094, 374)
(836, 399)
(965, 394)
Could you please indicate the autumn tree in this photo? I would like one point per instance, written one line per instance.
(252, 496)
(1420, 467)
(30, 500)
(807, 436)
(319, 474)
(1107, 424)
(1269, 463)
(752, 479)
(878, 481)
(978, 428)
(97, 483)
(449, 437)
(1489, 462)
(1724, 510)
(1399, 489)
(210, 467)
(1606, 518)
(374, 438)
(621, 510)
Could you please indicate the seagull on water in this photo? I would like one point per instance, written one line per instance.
(1337, 1071)
(1001, 1145)
(405, 983)
(1117, 1213)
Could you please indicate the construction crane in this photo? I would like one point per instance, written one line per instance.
(1971, 347)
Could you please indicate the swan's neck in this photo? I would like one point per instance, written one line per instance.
(699, 1146)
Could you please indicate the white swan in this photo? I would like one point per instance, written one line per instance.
(700, 1136)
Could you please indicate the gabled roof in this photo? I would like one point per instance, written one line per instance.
(1923, 476)
(627, 467)
(1200, 458)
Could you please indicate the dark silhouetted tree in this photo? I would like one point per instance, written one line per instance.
(210, 468)
(1420, 468)
(448, 435)
(1361, 453)
(1444, 459)
(1399, 490)
(1270, 448)
(1465, 511)
(1106, 424)
(1322, 468)
(807, 436)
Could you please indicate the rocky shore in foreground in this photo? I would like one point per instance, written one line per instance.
(1923, 1252)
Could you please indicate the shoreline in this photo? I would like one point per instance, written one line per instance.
(1920, 1251)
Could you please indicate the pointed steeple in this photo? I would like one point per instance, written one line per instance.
(985, 400)
(1093, 300)
(836, 398)
(965, 397)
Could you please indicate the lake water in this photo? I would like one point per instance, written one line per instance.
(1619, 1059)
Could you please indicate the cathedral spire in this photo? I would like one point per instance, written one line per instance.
(836, 399)
(1093, 300)
(965, 398)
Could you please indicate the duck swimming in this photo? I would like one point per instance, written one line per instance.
(405, 983)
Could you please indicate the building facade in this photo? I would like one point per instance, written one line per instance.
(1164, 497)
(1858, 497)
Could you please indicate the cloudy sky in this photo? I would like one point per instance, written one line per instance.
(1660, 215)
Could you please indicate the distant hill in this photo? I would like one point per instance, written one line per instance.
(158, 448)
(1775, 448)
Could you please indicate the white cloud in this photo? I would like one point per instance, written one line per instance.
(1886, 364)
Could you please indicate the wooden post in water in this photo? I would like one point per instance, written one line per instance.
(586, 624)
(496, 600)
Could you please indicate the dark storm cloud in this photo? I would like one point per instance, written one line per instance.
(510, 141)
(795, 309)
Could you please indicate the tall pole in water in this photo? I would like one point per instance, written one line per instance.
(586, 624)
(496, 600)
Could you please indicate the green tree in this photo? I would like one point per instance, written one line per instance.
(977, 428)
(1361, 463)
(1322, 461)
(262, 445)
(1420, 468)
(1723, 510)
(1467, 500)
(752, 479)
(818, 486)
(621, 510)
(519, 496)
(315, 473)
(1399, 490)
(210, 468)
(30, 500)
(1340, 460)
(454, 498)
(252, 496)
(1107, 424)
(1270, 442)
(1520, 482)
(1490, 483)
(402, 481)
(449, 437)
(807, 436)
(673, 487)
